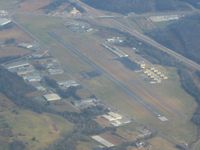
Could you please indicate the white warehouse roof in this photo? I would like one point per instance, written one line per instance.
(115, 115)
(52, 97)
(102, 141)
(4, 21)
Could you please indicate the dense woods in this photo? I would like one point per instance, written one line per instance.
(136, 6)
(185, 43)
(57, 3)
(189, 86)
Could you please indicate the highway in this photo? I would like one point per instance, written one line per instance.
(159, 46)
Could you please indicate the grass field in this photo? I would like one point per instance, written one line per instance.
(31, 6)
(36, 130)
(44, 128)
(15, 33)
(159, 143)
(88, 145)
(198, 146)
(7, 4)
(169, 98)
(12, 51)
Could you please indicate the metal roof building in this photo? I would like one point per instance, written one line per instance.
(4, 21)
(102, 141)
(52, 97)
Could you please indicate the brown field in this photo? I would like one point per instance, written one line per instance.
(129, 135)
(102, 122)
(112, 138)
(12, 51)
(15, 33)
(31, 6)
(134, 148)
(160, 143)
(86, 145)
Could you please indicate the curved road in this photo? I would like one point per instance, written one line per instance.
(144, 38)
(159, 46)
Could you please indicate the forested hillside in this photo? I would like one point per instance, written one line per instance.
(137, 6)
(182, 36)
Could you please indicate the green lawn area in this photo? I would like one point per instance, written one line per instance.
(37, 130)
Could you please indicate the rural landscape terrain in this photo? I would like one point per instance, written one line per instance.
(99, 75)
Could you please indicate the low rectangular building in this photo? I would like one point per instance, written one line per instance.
(16, 65)
(4, 21)
(162, 118)
(102, 141)
(25, 45)
(32, 78)
(52, 97)
(115, 115)
(67, 84)
(55, 71)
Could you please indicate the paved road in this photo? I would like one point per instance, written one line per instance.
(145, 38)
(141, 36)
(157, 45)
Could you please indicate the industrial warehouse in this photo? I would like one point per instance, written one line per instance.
(4, 22)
